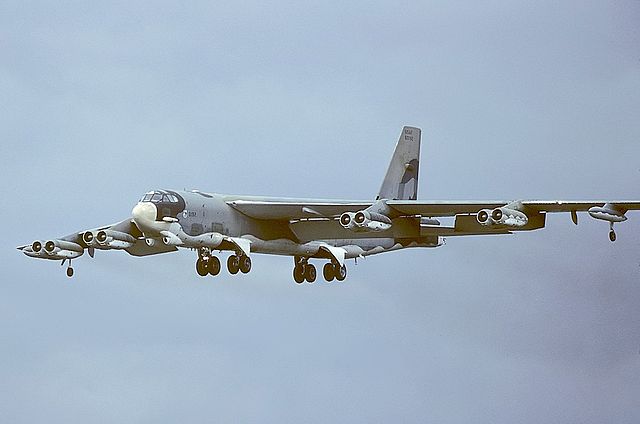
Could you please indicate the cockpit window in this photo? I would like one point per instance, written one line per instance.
(160, 197)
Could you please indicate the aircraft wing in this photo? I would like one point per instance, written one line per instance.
(311, 220)
(296, 210)
(449, 208)
(123, 235)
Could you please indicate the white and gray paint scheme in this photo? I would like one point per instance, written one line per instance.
(330, 230)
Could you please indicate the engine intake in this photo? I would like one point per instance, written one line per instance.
(347, 220)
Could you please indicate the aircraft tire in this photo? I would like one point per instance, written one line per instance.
(69, 272)
(310, 273)
(213, 266)
(328, 271)
(341, 272)
(298, 274)
(245, 264)
(612, 236)
(201, 267)
(233, 264)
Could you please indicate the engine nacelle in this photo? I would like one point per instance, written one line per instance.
(60, 249)
(484, 217)
(365, 221)
(36, 246)
(89, 239)
(110, 239)
(502, 216)
(346, 220)
(36, 250)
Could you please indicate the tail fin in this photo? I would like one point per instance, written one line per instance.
(401, 181)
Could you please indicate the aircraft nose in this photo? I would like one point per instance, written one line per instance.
(144, 211)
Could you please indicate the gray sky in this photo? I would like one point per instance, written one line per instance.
(102, 102)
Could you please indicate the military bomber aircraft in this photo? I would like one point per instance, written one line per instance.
(333, 231)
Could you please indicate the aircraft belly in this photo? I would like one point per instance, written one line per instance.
(353, 247)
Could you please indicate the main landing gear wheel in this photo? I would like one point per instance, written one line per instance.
(233, 264)
(299, 273)
(341, 272)
(245, 264)
(213, 266)
(329, 272)
(202, 267)
(310, 273)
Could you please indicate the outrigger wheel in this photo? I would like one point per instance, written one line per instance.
(612, 233)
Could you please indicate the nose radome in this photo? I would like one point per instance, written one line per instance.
(144, 211)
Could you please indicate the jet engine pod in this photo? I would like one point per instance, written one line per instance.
(61, 249)
(89, 238)
(484, 217)
(36, 246)
(509, 217)
(361, 217)
(371, 221)
(347, 220)
(114, 239)
(502, 216)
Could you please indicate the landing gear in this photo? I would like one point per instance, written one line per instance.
(239, 263)
(245, 264)
(310, 273)
(303, 270)
(213, 266)
(328, 272)
(207, 264)
(233, 264)
(298, 273)
(612, 234)
(69, 268)
(202, 267)
(333, 270)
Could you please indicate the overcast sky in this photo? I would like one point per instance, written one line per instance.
(102, 102)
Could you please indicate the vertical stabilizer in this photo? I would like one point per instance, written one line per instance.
(401, 181)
